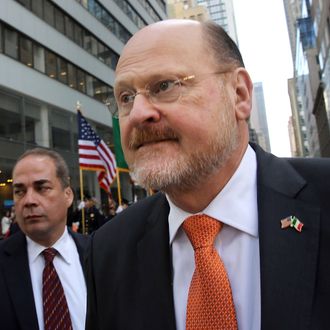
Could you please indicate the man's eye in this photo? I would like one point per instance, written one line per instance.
(126, 98)
(163, 86)
(18, 192)
(44, 188)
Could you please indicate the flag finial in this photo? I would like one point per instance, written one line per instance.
(78, 106)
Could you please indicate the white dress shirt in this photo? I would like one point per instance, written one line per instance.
(69, 270)
(237, 244)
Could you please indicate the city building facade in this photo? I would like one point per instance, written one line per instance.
(53, 54)
(187, 9)
(258, 119)
(222, 13)
(309, 28)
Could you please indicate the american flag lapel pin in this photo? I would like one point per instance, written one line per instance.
(292, 221)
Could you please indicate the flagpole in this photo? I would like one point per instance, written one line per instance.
(82, 199)
(118, 186)
(78, 105)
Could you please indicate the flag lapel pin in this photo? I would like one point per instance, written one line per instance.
(292, 221)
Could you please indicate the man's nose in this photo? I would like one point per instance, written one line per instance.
(30, 197)
(143, 110)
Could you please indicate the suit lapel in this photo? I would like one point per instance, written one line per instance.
(288, 259)
(81, 242)
(17, 275)
(155, 275)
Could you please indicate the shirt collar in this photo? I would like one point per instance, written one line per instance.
(235, 205)
(61, 245)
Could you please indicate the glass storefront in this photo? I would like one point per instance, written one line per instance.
(26, 123)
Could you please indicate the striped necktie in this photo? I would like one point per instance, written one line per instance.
(56, 311)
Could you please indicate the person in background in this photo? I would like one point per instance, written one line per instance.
(236, 238)
(44, 255)
(111, 209)
(93, 217)
(5, 223)
(123, 206)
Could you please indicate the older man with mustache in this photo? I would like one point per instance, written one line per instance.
(208, 251)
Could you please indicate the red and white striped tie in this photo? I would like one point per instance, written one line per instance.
(56, 311)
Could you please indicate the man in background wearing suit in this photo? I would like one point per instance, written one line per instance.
(42, 196)
(184, 100)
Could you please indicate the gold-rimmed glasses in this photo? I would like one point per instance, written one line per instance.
(162, 91)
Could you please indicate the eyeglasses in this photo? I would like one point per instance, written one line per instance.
(160, 92)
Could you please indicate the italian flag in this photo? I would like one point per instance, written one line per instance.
(296, 223)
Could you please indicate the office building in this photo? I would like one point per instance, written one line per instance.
(222, 13)
(53, 54)
(187, 9)
(309, 28)
(258, 119)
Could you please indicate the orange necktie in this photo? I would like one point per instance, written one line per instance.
(210, 302)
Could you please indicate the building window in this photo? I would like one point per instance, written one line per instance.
(59, 20)
(11, 126)
(72, 76)
(62, 70)
(90, 85)
(37, 7)
(26, 51)
(50, 61)
(81, 81)
(60, 130)
(39, 58)
(11, 43)
(56, 67)
(61, 138)
(69, 28)
(78, 35)
(49, 14)
(1, 39)
(25, 3)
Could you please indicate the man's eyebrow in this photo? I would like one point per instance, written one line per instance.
(18, 185)
(40, 182)
(36, 183)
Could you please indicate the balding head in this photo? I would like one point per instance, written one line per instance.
(183, 36)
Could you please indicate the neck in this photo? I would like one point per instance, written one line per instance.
(198, 198)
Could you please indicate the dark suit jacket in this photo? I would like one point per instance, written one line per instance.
(17, 308)
(129, 267)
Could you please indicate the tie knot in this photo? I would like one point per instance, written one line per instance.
(49, 254)
(201, 230)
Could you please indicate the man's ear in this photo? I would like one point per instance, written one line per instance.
(244, 87)
(68, 196)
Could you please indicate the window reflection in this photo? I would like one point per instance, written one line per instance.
(37, 7)
(72, 76)
(49, 13)
(62, 70)
(11, 40)
(81, 81)
(39, 58)
(1, 47)
(11, 126)
(26, 51)
(57, 18)
(51, 64)
(56, 67)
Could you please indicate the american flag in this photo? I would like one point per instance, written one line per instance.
(95, 155)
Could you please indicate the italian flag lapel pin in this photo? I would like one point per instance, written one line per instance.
(292, 221)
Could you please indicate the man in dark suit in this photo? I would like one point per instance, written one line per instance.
(184, 100)
(42, 195)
